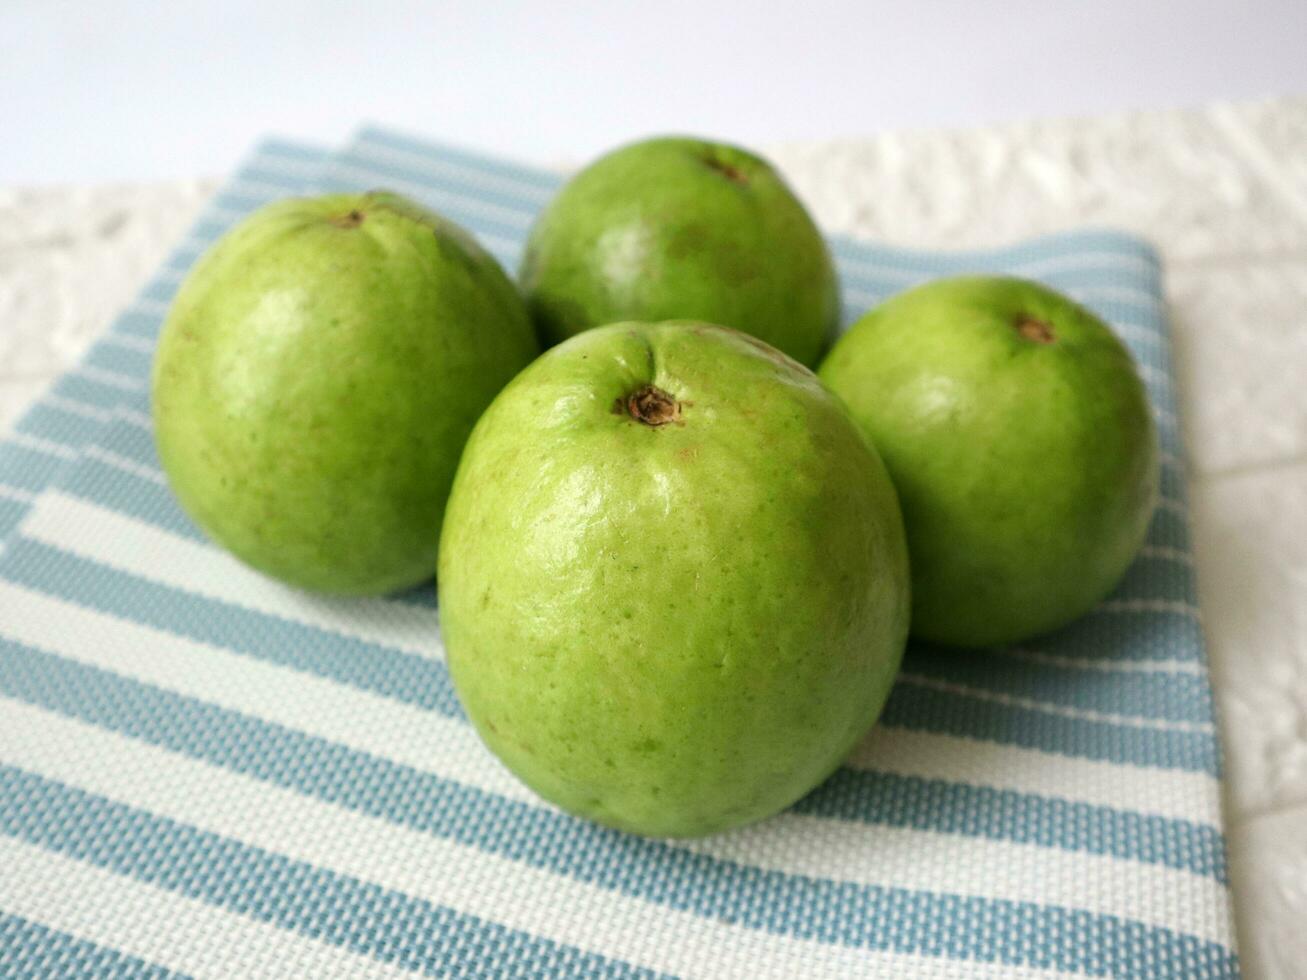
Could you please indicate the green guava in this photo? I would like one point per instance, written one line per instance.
(318, 374)
(675, 228)
(1019, 436)
(673, 578)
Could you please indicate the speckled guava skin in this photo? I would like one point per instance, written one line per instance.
(673, 579)
(318, 374)
(1019, 436)
(678, 228)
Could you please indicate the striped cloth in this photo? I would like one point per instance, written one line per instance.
(203, 772)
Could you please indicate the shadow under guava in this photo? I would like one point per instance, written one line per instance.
(1011, 696)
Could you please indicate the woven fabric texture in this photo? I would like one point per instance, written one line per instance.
(206, 773)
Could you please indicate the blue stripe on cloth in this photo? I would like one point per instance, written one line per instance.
(1158, 578)
(87, 391)
(1099, 637)
(135, 322)
(68, 425)
(1172, 482)
(1024, 818)
(1078, 273)
(923, 709)
(29, 949)
(136, 443)
(1150, 578)
(160, 290)
(486, 212)
(426, 683)
(404, 677)
(864, 290)
(422, 596)
(1145, 637)
(1128, 637)
(423, 682)
(359, 916)
(132, 442)
(1160, 696)
(352, 778)
(504, 169)
(27, 469)
(100, 482)
(1169, 529)
(843, 913)
(120, 360)
(138, 401)
(190, 251)
(12, 512)
(1038, 252)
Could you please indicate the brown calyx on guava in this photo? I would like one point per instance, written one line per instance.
(1035, 330)
(652, 406)
(727, 170)
(351, 219)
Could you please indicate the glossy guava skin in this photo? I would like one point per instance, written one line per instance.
(317, 377)
(671, 629)
(679, 228)
(1027, 470)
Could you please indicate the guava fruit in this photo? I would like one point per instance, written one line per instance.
(677, 228)
(1017, 431)
(317, 376)
(673, 578)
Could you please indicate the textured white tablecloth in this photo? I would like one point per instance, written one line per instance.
(1222, 191)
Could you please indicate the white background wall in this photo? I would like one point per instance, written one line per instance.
(122, 90)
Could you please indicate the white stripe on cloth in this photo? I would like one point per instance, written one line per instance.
(1191, 667)
(113, 379)
(518, 217)
(366, 153)
(416, 864)
(78, 408)
(428, 742)
(126, 465)
(357, 719)
(859, 294)
(1087, 260)
(1077, 262)
(37, 444)
(1171, 793)
(122, 542)
(1062, 710)
(174, 931)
